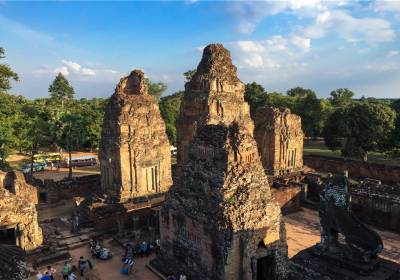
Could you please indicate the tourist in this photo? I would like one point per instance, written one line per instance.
(46, 276)
(66, 270)
(171, 276)
(51, 272)
(143, 249)
(182, 276)
(158, 246)
(39, 275)
(81, 265)
(127, 260)
(71, 276)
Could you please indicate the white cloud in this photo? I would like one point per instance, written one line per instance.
(274, 52)
(276, 43)
(250, 13)
(72, 65)
(63, 70)
(76, 71)
(88, 72)
(246, 27)
(392, 53)
(328, 16)
(250, 46)
(352, 29)
(301, 42)
(362, 51)
(387, 6)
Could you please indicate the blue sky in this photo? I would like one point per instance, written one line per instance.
(322, 45)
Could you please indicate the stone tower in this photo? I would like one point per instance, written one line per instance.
(214, 95)
(135, 154)
(280, 140)
(220, 221)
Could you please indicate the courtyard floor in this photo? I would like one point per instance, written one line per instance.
(302, 231)
(106, 270)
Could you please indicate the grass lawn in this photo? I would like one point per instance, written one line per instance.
(317, 147)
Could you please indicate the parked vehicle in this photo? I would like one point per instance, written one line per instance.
(37, 167)
(47, 157)
(81, 161)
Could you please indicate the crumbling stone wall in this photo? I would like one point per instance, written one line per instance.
(51, 191)
(14, 181)
(18, 201)
(220, 218)
(12, 263)
(135, 154)
(358, 169)
(20, 214)
(280, 140)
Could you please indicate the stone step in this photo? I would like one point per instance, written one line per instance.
(73, 240)
(55, 257)
(78, 244)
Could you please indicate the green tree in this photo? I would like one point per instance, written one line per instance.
(255, 95)
(6, 140)
(92, 113)
(394, 141)
(6, 74)
(189, 74)
(156, 89)
(72, 135)
(313, 111)
(361, 128)
(10, 106)
(300, 92)
(169, 108)
(60, 90)
(341, 97)
(36, 136)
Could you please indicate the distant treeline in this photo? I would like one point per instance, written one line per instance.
(354, 126)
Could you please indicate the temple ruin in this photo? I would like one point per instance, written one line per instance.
(219, 220)
(18, 216)
(134, 154)
(280, 140)
(214, 95)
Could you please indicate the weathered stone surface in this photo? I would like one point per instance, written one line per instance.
(19, 215)
(135, 154)
(12, 263)
(220, 220)
(388, 174)
(15, 182)
(214, 95)
(280, 140)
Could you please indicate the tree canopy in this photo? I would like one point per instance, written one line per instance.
(60, 89)
(341, 97)
(361, 128)
(6, 74)
(156, 89)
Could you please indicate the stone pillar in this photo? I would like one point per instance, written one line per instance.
(120, 225)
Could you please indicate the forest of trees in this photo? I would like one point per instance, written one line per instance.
(353, 126)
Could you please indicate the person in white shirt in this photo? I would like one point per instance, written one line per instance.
(182, 276)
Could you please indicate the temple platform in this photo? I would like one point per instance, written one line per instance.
(313, 264)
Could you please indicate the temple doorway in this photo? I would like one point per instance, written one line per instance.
(42, 197)
(266, 268)
(8, 236)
